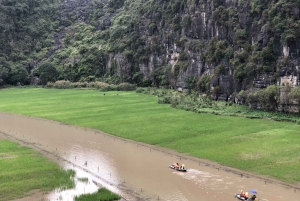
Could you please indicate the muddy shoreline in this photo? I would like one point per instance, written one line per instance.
(13, 128)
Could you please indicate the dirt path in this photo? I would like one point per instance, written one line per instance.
(135, 170)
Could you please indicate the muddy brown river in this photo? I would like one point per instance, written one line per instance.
(136, 171)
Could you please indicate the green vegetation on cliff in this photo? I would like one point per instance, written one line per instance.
(210, 46)
(241, 36)
(256, 145)
(26, 28)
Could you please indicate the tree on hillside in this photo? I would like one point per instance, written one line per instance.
(295, 94)
(46, 73)
(19, 75)
(203, 84)
(190, 82)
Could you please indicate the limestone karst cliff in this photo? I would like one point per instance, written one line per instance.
(215, 46)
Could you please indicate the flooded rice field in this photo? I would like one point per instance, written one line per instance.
(135, 171)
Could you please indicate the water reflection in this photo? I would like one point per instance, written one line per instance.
(97, 166)
(80, 188)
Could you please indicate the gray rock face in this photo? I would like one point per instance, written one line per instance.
(263, 37)
(263, 81)
(203, 27)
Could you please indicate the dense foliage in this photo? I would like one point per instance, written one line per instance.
(102, 86)
(190, 43)
(26, 28)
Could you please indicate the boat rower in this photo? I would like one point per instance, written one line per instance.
(176, 165)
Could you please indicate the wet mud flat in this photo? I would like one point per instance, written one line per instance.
(134, 170)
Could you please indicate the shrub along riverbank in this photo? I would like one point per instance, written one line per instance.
(23, 170)
(203, 104)
(256, 145)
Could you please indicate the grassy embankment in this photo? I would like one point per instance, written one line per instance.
(23, 170)
(256, 145)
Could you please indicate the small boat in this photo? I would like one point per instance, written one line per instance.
(244, 199)
(178, 169)
(239, 197)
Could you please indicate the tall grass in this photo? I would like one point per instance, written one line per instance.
(101, 195)
(22, 170)
(256, 145)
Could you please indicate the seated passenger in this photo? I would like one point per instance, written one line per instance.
(242, 194)
(254, 198)
(182, 167)
(246, 196)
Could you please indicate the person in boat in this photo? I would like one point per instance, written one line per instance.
(246, 196)
(254, 198)
(182, 167)
(242, 194)
(176, 165)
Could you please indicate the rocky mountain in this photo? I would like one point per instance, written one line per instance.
(215, 46)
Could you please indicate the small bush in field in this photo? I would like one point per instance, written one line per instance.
(50, 85)
(165, 100)
(83, 84)
(84, 179)
(175, 102)
(140, 90)
(61, 84)
(127, 87)
(109, 87)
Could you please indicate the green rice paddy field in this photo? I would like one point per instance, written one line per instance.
(255, 145)
(23, 170)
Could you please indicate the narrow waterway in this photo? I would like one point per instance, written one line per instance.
(134, 170)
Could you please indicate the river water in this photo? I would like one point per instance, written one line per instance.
(136, 171)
